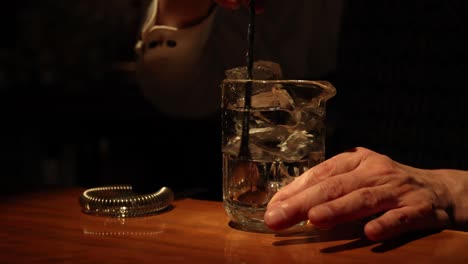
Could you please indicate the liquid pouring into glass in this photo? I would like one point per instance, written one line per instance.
(245, 168)
(244, 152)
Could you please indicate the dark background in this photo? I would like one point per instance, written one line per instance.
(67, 91)
(72, 114)
(402, 81)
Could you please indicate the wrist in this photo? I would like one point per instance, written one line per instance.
(457, 183)
(183, 13)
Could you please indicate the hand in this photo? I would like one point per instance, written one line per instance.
(184, 13)
(236, 4)
(362, 183)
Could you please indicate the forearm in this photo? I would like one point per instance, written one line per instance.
(169, 57)
(169, 20)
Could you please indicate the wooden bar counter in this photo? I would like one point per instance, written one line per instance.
(49, 227)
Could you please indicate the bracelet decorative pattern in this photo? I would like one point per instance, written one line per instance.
(121, 201)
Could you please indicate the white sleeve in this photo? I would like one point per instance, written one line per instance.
(168, 58)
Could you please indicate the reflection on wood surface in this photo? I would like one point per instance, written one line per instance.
(49, 227)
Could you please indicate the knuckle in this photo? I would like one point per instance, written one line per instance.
(328, 165)
(396, 220)
(401, 218)
(386, 164)
(362, 150)
(383, 165)
(369, 199)
(325, 169)
(332, 188)
(426, 209)
(379, 163)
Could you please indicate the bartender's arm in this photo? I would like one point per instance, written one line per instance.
(169, 49)
(170, 54)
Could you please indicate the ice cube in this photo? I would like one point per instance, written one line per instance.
(259, 152)
(261, 70)
(269, 137)
(269, 97)
(296, 146)
(275, 98)
(264, 141)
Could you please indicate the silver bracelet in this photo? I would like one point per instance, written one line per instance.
(121, 201)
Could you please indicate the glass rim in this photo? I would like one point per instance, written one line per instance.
(328, 88)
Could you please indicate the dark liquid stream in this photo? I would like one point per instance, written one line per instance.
(244, 152)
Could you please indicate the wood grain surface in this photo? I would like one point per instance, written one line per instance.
(49, 227)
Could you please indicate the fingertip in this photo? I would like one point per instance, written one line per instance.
(275, 217)
(373, 231)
